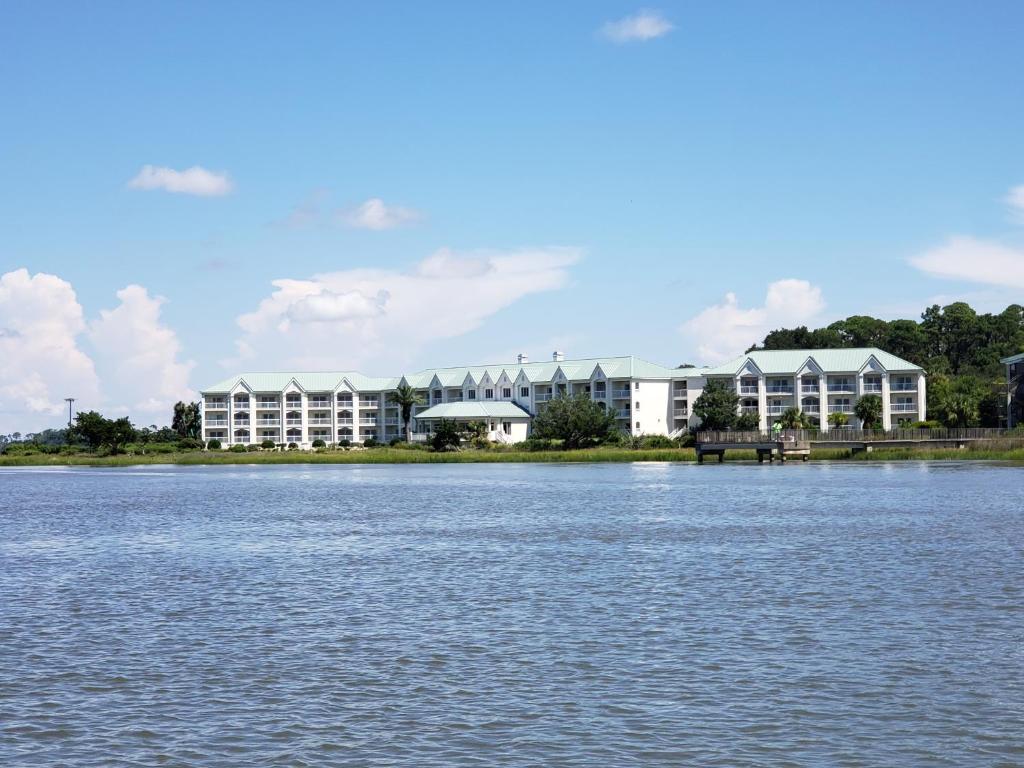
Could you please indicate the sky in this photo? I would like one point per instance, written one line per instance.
(192, 190)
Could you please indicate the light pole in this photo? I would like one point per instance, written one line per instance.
(70, 401)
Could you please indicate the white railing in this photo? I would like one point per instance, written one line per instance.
(268, 404)
(217, 423)
(681, 413)
(840, 408)
(241, 405)
(903, 407)
(241, 422)
(347, 420)
(620, 414)
(848, 388)
(779, 390)
(903, 386)
(872, 388)
(808, 389)
(268, 423)
(368, 403)
(324, 405)
(392, 422)
(293, 422)
(813, 410)
(215, 405)
(748, 409)
(621, 394)
(367, 422)
(345, 403)
(680, 394)
(542, 397)
(320, 422)
(776, 410)
(748, 390)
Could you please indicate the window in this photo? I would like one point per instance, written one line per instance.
(471, 394)
(637, 406)
(506, 392)
(489, 394)
(437, 394)
(638, 425)
(524, 391)
(637, 385)
(506, 427)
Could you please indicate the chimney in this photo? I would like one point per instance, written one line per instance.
(557, 356)
(522, 357)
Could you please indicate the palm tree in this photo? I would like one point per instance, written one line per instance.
(794, 418)
(869, 411)
(405, 397)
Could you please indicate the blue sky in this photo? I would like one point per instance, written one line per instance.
(453, 183)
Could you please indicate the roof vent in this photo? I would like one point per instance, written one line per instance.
(557, 356)
(522, 358)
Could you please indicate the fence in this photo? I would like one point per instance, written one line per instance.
(842, 434)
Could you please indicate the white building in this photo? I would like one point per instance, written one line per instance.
(249, 408)
(1014, 390)
(824, 381)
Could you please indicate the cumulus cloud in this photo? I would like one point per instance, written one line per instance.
(725, 330)
(40, 360)
(975, 261)
(640, 27)
(191, 181)
(138, 354)
(381, 317)
(1015, 199)
(374, 214)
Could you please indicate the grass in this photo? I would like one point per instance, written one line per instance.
(404, 456)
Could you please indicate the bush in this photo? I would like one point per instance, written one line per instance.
(343, 443)
(318, 443)
(539, 444)
(254, 447)
(577, 421)
(656, 441)
(395, 441)
(190, 444)
(239, 448)
(926, 425)
(687, 440)
(213, 445)
(446, 437)
(293, 446)
(370, 442)
(267, 445)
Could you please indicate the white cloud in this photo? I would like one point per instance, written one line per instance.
(374, 214)
(40, 361)
(973, 260)
(192, 181)
(725, 330)
(138, 355)
(642, 26)
(381, 317)
(1015, 199)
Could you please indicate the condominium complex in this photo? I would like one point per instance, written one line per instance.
(821, 382)
(646, 398)
(1014, 389)
(343, 405)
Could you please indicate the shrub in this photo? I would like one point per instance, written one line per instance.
(446, 437)
(239, 448)
(293, 446)
(656, 441)
(931, 424)
(318, 443)
(539, 444)
(687, 440)
(577, 421)
(254, 447)
(189, 444)
(213, 445)
(747, 422)
(395, 441)
(370, 442)
(267, 444)
(343, 443)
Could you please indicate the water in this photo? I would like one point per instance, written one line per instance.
(463, 615)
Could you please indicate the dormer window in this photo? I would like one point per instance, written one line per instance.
(471, 394)
(488, 394)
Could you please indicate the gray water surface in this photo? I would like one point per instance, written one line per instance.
(461, 615)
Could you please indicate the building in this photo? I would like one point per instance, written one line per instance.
(300, 408)
(824, 381)
(1014, 390)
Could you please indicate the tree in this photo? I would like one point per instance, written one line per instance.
(476, 433)
(89, 428)
(747, 422)
(794, 418)
(577, 421)
(838, 419)
(405, 397)
(717, 406)
(869, 411)
(446, 437)
(187, 421)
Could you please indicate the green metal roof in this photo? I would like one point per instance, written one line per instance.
(624, 367)
(781, 361)
(497, 409)
(1013, 359)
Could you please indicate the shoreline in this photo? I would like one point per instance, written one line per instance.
(586, 456)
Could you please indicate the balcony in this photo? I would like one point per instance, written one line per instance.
(903, 386)
(216, 422)
(811, 410)
(681, 413)
(268, 404)
(268, 422)
(840, 408)
(320, 422)
(369, 404)
(903, 407)
(241, 422)
(748, 409)
(599, 394)
(542, 397)
(872, 388)
(345, 420)
(293, 422)
(322, 404)
(622, 414)
(295, 405)
(240, 405)
(680, 394)
(368, 422)
(841, 388)
(747, 390)
(392, 422)
(215, 405)
(776, 410)
(621, 394)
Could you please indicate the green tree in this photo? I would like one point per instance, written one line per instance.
(717, 406)
(577, 421)
(838, 419)
(405, 397)
(187, 420)
(89, 428)
(447, 436)
(794, 418)
(747, 422)
(869, 411)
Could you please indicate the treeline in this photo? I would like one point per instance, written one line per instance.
(959, 349)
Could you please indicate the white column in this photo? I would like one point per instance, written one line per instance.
(922, 398)
(762, 403)
(886, 404)
(823, 402)
(859, 393)
(796, 393)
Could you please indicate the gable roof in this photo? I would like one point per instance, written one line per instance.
(781, 361)
(1013, 359)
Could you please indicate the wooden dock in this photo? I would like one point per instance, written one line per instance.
(782, 450)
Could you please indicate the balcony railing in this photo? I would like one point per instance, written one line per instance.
(680, 413)
(847, 388)
(345, 420)
(215, 405)
(217, 423)
(903, 407)
(268, 404)
(779, 389)
(241, 422)
(903, 386)
(748, 409)
(621, 394)
(542, 397)
(320, 422)
(367, 422)
(872, 388)
(268, 422)
(747, 390)
(813, 410)
(622, 414)
(369, 404)
(840, 408)
(776, 410)
(323, 404)
(599, 394)
(680, 394)
(392, 422)
(241, 405)
(293, 422)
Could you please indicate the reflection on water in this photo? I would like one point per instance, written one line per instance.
(844, 614)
